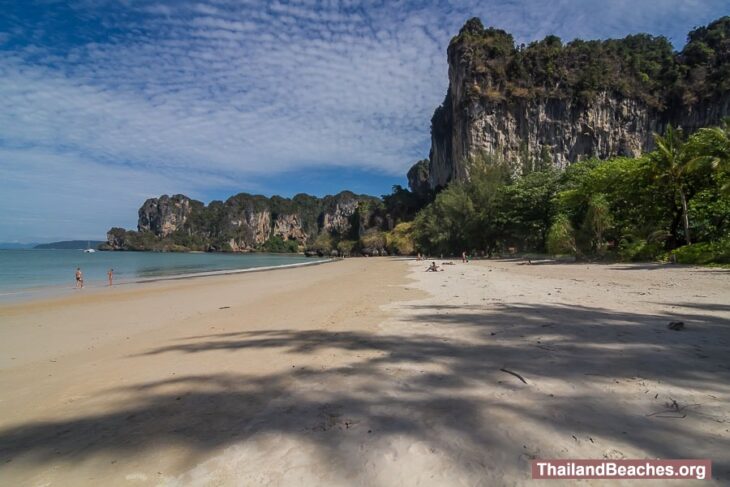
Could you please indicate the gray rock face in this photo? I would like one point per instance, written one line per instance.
(164, 215)
(485, 112)
(552, 131)
(253, 228)
(115, 239)
(336, 218)
(289, 227)
(555, 129)
(418, 177)
(249, 228)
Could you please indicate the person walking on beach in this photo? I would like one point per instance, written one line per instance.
(110, 275)
(79, 278)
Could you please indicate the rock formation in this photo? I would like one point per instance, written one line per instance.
(163, 216)
(242, 223)
(418, 177)
(552, 104)
(337, 212)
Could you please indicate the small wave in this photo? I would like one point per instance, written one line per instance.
(228, 271)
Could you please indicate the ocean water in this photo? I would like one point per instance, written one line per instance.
(24, 272)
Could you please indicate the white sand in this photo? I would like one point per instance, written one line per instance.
(306, 380)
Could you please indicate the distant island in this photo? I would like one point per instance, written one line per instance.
(16, 246)
(70, 245)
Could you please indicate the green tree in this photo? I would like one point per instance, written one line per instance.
(672, 162)
(466, 214)
(399, 241)
(454, 216)
(711, 146)
(561, 237)
(346, 247)
(527, 209)
(633, 205)
(402, 205)
(597, 221)
(323, 244)
(484, 227)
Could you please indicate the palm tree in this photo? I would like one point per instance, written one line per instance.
(711, 146)
(597, 220)
(673, 161)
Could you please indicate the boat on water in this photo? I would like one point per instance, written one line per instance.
(88, 249)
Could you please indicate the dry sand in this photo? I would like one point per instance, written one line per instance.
(367, 372)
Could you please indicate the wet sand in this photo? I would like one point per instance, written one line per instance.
(366, 372)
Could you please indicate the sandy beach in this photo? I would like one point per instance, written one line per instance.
(367, 371)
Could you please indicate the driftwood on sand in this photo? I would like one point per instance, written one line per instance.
(515, 374)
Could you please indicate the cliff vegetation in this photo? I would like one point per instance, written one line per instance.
(640, 66)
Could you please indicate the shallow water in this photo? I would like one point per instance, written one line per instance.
(24, 271)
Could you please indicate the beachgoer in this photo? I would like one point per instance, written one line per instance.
(463, 256)
(433, 267)
(110, 274)
(79, 278)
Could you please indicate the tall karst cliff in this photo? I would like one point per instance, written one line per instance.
(246, 222)
(549, 103)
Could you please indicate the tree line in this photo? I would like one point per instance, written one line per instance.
(671, 203)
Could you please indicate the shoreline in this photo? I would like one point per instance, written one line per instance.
(61, 290)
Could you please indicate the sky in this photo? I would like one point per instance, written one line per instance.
(105, 103)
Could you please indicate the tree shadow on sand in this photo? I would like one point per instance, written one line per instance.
(435, 376)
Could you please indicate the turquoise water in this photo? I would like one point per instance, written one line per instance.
(26, 271)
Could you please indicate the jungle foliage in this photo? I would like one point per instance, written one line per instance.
(638, 66)
(663, 204)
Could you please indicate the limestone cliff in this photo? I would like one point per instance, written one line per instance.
(337, 212)
(242, 223)
(553, 104)
(418, 177)
(163, 216)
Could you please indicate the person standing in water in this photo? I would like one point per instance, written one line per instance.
(79, 278)
(110, 275)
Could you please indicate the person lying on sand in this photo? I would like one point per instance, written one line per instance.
(433, 268)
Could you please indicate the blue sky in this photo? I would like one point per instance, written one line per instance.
(104, 103)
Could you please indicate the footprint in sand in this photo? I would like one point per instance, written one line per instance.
(613, 454)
